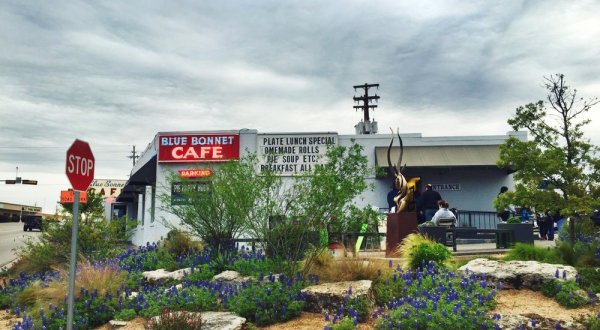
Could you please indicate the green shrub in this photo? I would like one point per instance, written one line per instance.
(566, 293)
(152, 260)
(522, 251)
(424, 253)
(593, 322)
(200, 273)
(589, 278)
(268, 303)
(125, 314)
(435, 298)
(191, 298)
(513, 220)
(96, 240)
(254, 266)
(176, 321)
(417, 250)
(550, 289)
(388, 287)
(179, 243)
(345, 323)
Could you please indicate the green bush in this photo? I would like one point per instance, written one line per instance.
(593, 322)
(589, 278)
(523, 251)
(345, 323)
(200, 273)
(566, 293)
(268, 303)
(424, 253)
(179, 243)
(435, 298)
(513, 220)
(255, 266)
(152, 260)
(191, 298)
(96, 240)
(388, 287)
(176, 321)
(125, 314)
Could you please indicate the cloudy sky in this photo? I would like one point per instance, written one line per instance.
(114, 73)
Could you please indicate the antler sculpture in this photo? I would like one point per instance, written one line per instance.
(404, 193)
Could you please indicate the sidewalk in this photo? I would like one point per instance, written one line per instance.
(467, 249)
(490, 248)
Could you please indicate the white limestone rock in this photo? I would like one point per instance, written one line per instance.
(161, 274)
(330, 296)
(518, 274)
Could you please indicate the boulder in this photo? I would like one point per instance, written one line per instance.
(222, 321)
(232, 278)
(214, 320)
(330, 296)
(534, 321)
(161, 274)
(116, 324)
(518, 274)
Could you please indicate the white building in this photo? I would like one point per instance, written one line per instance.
(462, 168)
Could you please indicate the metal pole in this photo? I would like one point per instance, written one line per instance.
(73, 264)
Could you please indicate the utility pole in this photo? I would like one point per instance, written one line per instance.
(134, 156)
(366, 127)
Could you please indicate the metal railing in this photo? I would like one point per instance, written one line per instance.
(477, 219)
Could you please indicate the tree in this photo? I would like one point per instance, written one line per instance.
(323, 198)
(286, 217)
(217, 209)
(558, 170)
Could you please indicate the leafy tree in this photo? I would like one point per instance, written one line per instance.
(558, 169)
(218, 208)
(287, 217)
(323, 198)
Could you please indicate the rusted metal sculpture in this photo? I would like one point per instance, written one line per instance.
(405, 194)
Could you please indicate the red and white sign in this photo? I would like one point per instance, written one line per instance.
(80, 165)
(198, 148)
(193, 174)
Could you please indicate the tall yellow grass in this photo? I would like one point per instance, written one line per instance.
(330, 269)
(405, 247)
(104, 278)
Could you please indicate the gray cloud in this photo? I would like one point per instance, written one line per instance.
(115, 73)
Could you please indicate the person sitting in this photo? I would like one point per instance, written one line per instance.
(442, 212)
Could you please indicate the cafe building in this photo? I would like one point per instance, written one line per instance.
(461, 168)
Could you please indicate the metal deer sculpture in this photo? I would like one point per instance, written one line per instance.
(405, 194)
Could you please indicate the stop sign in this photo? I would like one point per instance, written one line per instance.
(80, 165)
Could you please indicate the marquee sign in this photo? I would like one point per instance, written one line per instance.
(292, 154)
(177, 148)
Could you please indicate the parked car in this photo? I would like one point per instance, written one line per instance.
(31, 222)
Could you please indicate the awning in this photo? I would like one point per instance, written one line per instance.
(440, 156)
(145, 176)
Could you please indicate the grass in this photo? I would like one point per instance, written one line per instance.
(330, 269)
(102, 278)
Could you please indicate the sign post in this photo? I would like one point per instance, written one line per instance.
(80, 171)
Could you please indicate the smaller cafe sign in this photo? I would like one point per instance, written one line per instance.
(194, 174)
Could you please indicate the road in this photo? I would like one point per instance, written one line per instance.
(12, 237)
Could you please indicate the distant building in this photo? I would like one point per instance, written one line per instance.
(462, 168)
(14, 212)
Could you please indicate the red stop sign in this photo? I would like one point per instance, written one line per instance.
(80, 165)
